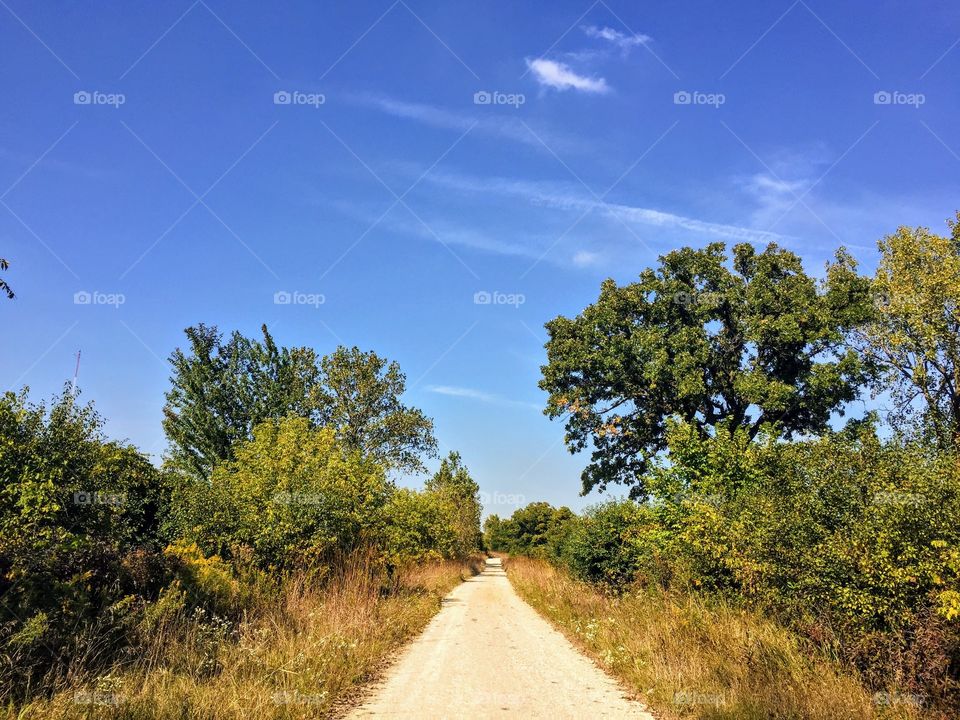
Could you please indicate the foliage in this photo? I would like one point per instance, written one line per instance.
(291, 494)
(848, 539)
(358, 394)
(916, 332)
(220, 390)
(460, 495)
(80, 522)
(4, 286)
(419, 527)
(746, 345)
(531, 530)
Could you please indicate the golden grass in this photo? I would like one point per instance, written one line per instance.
(686, 659)
(301, 657)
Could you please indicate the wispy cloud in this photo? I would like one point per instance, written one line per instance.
(625, 42)
(585, 258)
(564, 198)
(479, 395)
(560, 76)
(436, 229)
(499, 125)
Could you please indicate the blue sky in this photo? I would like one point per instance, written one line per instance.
(185, 163)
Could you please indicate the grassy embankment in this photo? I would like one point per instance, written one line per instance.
(687, 659)
(301, 655)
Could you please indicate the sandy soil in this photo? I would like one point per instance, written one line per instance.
(489, 654)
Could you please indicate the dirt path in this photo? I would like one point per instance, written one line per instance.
(489, 654)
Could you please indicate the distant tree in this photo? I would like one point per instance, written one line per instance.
(916, 332)
(4, 287)
(358, 395)
(453, 483)
(755, 343)
(494, 533)
(221, 389)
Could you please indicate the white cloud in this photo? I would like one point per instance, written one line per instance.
(563, 198)
(585, 258)
(479, 395)
(615, 37)
(509, 128)
(559, 76)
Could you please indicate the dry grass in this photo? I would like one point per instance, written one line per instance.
(689, 660)
(301, 657)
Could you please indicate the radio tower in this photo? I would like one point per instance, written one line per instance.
(76, 372)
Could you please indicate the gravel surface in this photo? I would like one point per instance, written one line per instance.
(489, 654)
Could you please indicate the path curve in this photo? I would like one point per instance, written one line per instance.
(488, 654)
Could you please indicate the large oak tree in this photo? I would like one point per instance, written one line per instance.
(719, 344)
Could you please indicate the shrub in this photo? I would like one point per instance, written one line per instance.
(292, 496)
(419, 527)
(80, 526)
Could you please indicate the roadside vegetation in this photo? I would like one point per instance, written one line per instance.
(267, 569)
(773, 560)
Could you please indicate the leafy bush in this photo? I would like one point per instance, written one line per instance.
(80, 526)
(291, 495)
(419, 527)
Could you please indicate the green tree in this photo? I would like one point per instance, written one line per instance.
(495, 533)
(529, 530)
(419, 527)
(221, 389)
(916, 331)
(452, 482)
(743, 344)
(358, 395)
(292, 494)
(4, 286)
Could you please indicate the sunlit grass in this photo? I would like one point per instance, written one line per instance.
(687, 659)
(299, 657)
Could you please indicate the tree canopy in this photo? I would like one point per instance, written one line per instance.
(221, 389)
(358, 395)
(714, 342)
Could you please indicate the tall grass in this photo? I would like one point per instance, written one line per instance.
(298, 655)
(687, 659)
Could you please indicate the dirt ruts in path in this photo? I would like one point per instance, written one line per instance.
(489, 654)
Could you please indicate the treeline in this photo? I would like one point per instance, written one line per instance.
(279, 467)
(713, 390)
